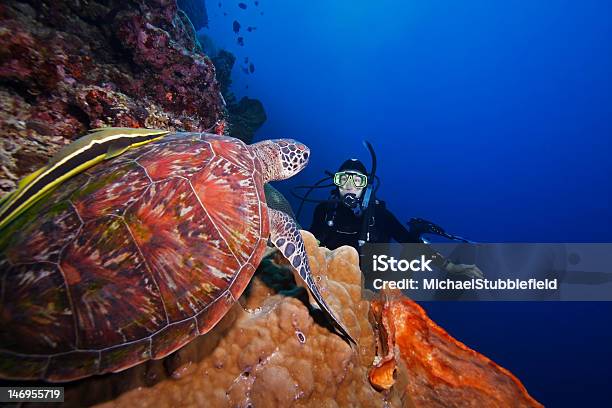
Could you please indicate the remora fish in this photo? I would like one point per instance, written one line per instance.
(102, 144)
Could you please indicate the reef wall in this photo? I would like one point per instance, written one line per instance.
(67, 66)
(247, 114)
(270, 350)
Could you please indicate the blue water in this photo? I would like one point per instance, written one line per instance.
(493, 119)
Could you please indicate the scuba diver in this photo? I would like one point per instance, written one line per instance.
(353, 216)
(340, 222)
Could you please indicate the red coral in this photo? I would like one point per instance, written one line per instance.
(71, 68)
(441, 370)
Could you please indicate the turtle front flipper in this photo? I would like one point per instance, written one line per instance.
(285, 235)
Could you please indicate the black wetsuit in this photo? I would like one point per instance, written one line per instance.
(335, 225)
(346, 226)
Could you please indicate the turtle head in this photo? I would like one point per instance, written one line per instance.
(281, 158)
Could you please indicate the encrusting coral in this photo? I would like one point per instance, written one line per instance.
(69, 66)
(272, 349)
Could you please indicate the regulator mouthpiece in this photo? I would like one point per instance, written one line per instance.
(350, 200)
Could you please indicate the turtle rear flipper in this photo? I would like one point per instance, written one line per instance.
(285, 235)
(277, 201)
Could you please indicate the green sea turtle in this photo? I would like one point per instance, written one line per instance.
(133, 257)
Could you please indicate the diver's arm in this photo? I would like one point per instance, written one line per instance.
(453, 269)
(402, 235)
(399, 233)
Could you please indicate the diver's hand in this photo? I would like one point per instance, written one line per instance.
(468, 271)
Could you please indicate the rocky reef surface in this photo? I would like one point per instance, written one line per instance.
(271, 350)
(67, 66)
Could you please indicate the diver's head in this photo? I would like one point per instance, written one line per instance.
(351, 179)
(281, 158)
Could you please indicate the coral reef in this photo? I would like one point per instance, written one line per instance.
(66, 68)
(246, 115)
(271, 350)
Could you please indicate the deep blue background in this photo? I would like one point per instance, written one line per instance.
(493, 119)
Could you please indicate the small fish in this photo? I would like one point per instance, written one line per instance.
(102, 144)
(251, 68)
(236, 26)
(242, 6)
(246, 60)
(256, 3)
(219, 4)
(240, 41)
(250, 29)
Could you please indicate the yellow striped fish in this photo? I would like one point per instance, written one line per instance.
(102, 144)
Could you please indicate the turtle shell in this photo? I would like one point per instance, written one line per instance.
(131, 259)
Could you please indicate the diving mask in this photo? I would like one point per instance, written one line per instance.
(359, 180)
